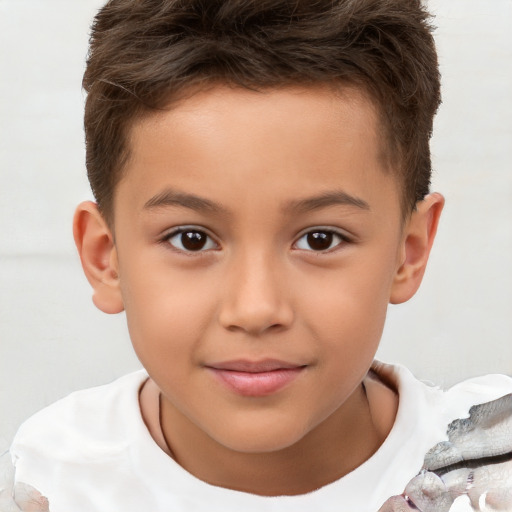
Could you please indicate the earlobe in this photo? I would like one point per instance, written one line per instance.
(419, 233)
(98, 255)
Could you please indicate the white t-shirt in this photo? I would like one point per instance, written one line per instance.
(92, 452)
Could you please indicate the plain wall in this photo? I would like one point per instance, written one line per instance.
(53, 340)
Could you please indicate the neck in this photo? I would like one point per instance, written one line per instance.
(338, 445)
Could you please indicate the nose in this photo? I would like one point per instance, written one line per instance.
(254, 298)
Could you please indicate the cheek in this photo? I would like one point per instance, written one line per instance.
(167, 312)
(348, 310)
(351, 331)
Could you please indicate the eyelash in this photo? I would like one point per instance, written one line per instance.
(189, 229)
(332, 234)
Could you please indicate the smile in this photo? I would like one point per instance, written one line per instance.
(256, 378)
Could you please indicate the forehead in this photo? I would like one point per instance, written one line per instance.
(254, 142)
(292, 110)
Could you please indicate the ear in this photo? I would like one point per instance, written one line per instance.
(418, 237)
(98, 255)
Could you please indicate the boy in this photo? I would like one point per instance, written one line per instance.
(261, 171)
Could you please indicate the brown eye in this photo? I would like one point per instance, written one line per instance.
(321, 240)
(191, 240)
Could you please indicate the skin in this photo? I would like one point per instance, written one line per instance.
(257, 290)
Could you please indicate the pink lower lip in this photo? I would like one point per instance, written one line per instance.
(257, 383)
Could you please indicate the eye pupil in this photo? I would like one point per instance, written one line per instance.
(193, 240)
(319, 240)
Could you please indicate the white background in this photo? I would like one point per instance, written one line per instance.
(52, 340)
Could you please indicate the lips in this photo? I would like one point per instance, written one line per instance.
(256, 379)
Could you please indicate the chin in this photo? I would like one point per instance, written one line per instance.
(261, 439)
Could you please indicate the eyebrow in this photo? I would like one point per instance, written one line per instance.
(334, 198)
(170, 197)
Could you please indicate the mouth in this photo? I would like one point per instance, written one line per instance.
(258, 378)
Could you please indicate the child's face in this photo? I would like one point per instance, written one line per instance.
(257, 232)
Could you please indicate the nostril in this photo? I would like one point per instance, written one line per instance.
(253, 324)
(253, 302)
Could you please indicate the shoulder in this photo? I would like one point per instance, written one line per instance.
(471, 458)
(83, 422)
(480, 389)
(429, 414)
(452, 403)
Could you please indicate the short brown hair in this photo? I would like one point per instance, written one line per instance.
(145, 53)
